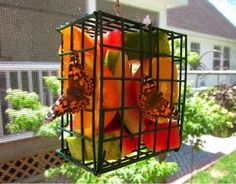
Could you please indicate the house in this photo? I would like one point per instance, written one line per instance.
(209, 33)
(212, 36)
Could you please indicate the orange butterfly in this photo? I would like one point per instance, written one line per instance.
(76, 97)
(152, 103)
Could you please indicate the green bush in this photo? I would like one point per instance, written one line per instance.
(22, 99)
(25, 119)
(193, 60)
(147, 171)
(224, 95)
(53, 84)
(203, 116)
(28, 114)
(193, 57)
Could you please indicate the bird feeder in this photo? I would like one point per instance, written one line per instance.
(123, 91)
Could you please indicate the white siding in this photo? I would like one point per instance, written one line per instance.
(207, 43)
(233, 57)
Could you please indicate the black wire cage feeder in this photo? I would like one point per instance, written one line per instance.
(126, 82)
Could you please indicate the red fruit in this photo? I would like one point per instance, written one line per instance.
(132, 116)
(161, 136)
(129, 144)
(112, 38)
(113, 60)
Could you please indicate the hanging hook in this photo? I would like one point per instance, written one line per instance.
(147, 21)
(117, 7)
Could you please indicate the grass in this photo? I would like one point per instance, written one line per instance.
(223, 171)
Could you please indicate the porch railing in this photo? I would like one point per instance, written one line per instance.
(27, 76)
(201, 79)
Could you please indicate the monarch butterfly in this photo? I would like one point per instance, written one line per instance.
(76, 97)
(152, 103)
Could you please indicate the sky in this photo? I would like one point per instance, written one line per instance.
(227, 8)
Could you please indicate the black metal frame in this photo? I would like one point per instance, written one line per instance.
(97, 24)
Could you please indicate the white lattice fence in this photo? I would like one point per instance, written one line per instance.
(25, 155)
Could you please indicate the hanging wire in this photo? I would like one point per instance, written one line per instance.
(117, 7)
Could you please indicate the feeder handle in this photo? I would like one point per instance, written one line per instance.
(117, 7)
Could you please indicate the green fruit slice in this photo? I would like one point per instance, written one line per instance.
(132, 40)
(112, 148)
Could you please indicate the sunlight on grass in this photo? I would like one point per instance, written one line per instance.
(224, 171)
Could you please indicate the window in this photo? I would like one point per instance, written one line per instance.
(221, 58)
(217, 57)
(226, 64)
(195, 47)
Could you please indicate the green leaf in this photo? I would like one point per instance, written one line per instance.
(23, 99)
(25, 119)
(147, 171)
(53, 84)
(49, 130)
(205, 116)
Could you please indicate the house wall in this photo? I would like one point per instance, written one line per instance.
(207, 43)
(128, 11)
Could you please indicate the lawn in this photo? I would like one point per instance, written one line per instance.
(223, 171)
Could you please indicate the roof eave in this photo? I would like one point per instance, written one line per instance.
(176, 3)
(154, 5)
(199, 34)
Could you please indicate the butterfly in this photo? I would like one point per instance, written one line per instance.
(76, 97)
(152, 103)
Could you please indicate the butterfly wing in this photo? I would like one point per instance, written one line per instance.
(63, 105)
(57, 109)
(76, 97)
(78, 79)
(151, 102)
(146, 88)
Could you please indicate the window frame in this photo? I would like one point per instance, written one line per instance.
(193, 47)
(221, 56)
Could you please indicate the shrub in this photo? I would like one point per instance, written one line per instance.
(224, 95)
(193, 60)
(203, 116)
(147, 171)
(53, 84)
(27, 113)
(22, 99)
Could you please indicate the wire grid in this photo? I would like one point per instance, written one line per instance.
(96, 25)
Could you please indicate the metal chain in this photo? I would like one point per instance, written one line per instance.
(117, 7)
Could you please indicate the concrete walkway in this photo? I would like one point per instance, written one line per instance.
(190, 160)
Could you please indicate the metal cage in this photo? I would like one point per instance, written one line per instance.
(96, 25)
